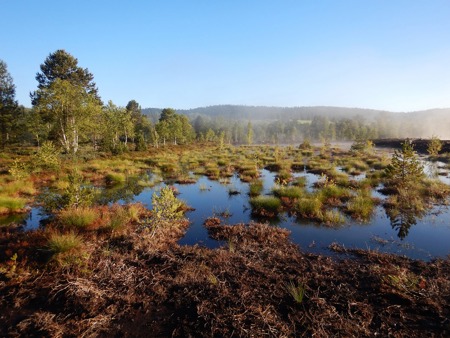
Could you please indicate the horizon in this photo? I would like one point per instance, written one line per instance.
(379, 56)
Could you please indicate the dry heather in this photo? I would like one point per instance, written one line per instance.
(142, 283)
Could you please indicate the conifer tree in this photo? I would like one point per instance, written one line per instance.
(405, 167)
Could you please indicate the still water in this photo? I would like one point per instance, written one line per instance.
(425, 239)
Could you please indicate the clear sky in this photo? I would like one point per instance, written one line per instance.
(380, 54)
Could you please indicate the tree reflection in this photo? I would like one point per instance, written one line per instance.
(121, 192)
(404, 210)
(402, 218)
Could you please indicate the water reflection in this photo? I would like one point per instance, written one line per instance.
(403, 218)
(426, 233)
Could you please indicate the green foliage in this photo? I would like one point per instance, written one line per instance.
(8, 104)
(434, 146)
(362, 145)
(332, 217)
(11, 204)
(260, 204)
(310, 207)
(78, 193)
(47, 157)
(11, 268)
(115, 178)
(174, 127)
(297, 291)
(62, 65)
(166, 207)
(305, 145)
(78, 218)
(19, 169)
(361, 206)
(67, 100)
(61, 243)
(289, 192)
(405, 167)
(255, 188)
(249, 133)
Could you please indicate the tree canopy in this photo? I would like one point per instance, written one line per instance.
(8, 103)
(61, 65)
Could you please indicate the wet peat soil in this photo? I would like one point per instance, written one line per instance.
(144, 284)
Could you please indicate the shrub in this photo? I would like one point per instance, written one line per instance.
(19, 170)
(118, 217)
(405, 167)
(166, 207)
(434, 146)
(77, 194)
(299, 181)
(47, 157)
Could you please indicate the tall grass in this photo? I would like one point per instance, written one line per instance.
(361, 206)
(289, 192)
(11, 204)
(309, 207)
(78, 218)
(255, 188)
(63, 242)
(265, 203)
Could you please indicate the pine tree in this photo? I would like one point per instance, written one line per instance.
(405, 167)
(434, 146)
(67, 99)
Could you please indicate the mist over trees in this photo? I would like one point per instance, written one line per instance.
(67, 110)
(294, 124)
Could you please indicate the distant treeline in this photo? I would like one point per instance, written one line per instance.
(287, 125)
(68, 112)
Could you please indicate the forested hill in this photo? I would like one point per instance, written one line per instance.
(291, 124)
(255, 113)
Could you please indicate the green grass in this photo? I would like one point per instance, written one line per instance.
(11, 204)
(309, 207)
(256, 187)
(296, 291)
(78, 218)
(299, 181)
(361, 206)
(115, 178)
(333, 217)
(265, 203)
(61, 243)
(289, 192)
(332, 193)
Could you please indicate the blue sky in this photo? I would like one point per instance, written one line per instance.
(392, 55)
